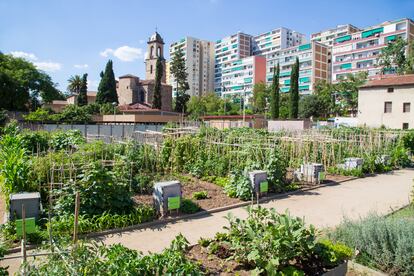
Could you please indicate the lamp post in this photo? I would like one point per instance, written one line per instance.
(244, 104)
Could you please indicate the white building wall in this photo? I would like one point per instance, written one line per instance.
(371, 103)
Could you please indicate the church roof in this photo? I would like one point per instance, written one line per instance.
(128, 76)
(156, 37)
(136, 107)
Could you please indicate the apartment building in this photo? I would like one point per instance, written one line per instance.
(199, 61)
(228, 50)
(359, 51)
(240, 76)
(275, 40)
(313, 65)
(328, 37)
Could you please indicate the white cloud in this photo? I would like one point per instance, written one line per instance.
(48, 66)
(81, 66)
(20, 54)
(124, 53)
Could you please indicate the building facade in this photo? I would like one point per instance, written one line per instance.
(359, 51)
(329, 36)
(199, 61)
(386, 101)
(227, 51)
(275, 40)
(313, 65)
(240, 76)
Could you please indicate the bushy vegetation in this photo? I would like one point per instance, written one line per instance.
(386, 244)
(269, 242)
(93, 259)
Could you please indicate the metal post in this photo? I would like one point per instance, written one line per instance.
(24, 256)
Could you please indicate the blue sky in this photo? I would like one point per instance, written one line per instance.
(74, 37)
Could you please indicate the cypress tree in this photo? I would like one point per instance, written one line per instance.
(179, 72)
(82, 97)
(107, 86)
(294, 91)
(156, 101)
(275, 94)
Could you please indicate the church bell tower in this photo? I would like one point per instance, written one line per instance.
(155, 50)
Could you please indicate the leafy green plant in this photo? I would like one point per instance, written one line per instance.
(204, 242)
(200, 195)
(333, 254)
(239, 185)
(189, 207)
(66, 139)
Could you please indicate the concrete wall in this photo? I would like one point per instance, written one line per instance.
(288, 125)
(116, 131)
(371, 107)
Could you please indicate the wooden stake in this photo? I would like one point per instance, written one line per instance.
(24, 239)
(75, 229)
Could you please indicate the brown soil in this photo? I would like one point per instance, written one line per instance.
(214, 265)
(216, 195)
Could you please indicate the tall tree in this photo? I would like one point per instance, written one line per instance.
(74, 84)
(393, 57)
(22, 85)
(179, 72)
(294, 91)
(157, 101)
(347, 91)
(82, 96)
(107, 86)
(275, 94)
(260, 95)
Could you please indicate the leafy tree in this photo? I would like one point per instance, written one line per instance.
(83, 97)
(22, 85)
(72, 114)
(393, 57)
(294, 91)
(178, 70)
(208, 104)
(107, 86)
(284, 106)
(40, 115)
(3, 117)
(309, 106)
(75, 84)
(275, 94)
(346, 91)
(326, 97)
(260, 95)
(157, 102)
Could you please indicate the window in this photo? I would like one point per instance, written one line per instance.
(151, 69)
(390, 89)
(405, 126)
(406, 107)
(387, 107)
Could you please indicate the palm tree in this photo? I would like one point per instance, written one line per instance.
(75, 84)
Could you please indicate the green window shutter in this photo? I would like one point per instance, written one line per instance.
(284, 74)
(237, 68)
(182, 40)
(372, 32)
(248, 80)
(343, 38)
(268, 38)
(304, 79)
(390, 38)
(238, 87)
(225, 49)
(287, 82)
(218, 41)
(346, 66)
(270, 78)
(225, 58)
(304, 47)
(234, 46)
(284, 89)
(237, 62)
(303, 87)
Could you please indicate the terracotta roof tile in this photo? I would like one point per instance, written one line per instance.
(390, 80)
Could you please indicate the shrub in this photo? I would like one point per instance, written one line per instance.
(384, 243)
(35, 141)
(239, 185)
(189, 207)
(66, 139)
(200, 195)
(3, 117)
(276, 168)
(221, 181)
(333, 254)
